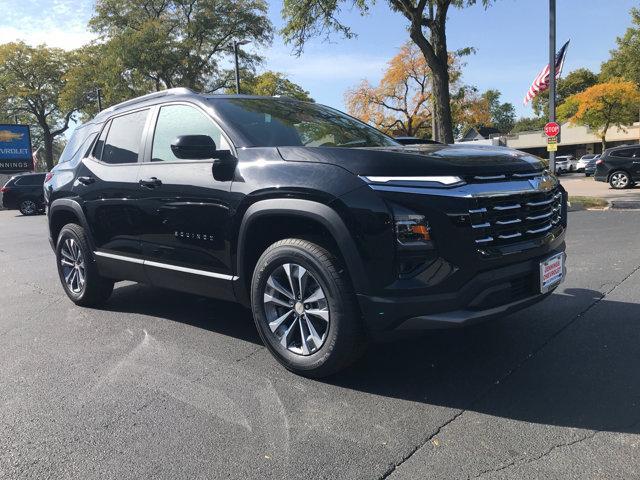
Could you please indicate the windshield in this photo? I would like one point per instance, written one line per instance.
(273, 122)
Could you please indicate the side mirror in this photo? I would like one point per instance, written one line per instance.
(194, 147)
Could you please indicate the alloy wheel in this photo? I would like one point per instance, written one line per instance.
(28, 207)
(619, 180)
(296, 309)
(73, 267)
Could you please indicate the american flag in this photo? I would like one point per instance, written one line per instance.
(541, 82)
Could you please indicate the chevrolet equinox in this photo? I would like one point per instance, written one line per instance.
(329, 230)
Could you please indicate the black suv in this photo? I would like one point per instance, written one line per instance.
(619, 166)
(330, 231)
(24, 193)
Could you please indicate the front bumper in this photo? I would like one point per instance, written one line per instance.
(489, 294)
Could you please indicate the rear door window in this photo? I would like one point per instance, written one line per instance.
(626, 153)
(30, 180)
(122, 144)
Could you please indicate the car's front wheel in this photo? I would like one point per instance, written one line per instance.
(619, 180)
(77, 270)
(305, 309)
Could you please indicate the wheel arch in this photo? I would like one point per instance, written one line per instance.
(62, 212)
(286, 218)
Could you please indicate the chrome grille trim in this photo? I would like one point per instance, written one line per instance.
(514, 218)
(508, 222)
(508, 207)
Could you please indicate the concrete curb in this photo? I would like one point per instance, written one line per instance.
(625, 204)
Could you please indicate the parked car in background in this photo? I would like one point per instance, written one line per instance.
(324, 226)
(620, 166)
(562, 165)
(24, 193)
(584, 160)
(590, 168)
(566, 164)
(415, 141)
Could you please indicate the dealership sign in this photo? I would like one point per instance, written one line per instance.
(15, 148)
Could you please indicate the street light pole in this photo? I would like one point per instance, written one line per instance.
(552, 74)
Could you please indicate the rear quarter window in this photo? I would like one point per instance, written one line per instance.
(626, 153)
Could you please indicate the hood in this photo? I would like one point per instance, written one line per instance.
(459, 160)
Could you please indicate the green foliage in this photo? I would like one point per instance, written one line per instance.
(503, 115)
(172, 43)
(625, 60)
(575, 82)
(31, 82)
(529, 124)
(273, 83)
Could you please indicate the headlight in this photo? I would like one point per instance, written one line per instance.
(428, 181)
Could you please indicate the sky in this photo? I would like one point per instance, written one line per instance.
(511, 39)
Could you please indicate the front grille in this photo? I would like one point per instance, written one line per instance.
(514, 218)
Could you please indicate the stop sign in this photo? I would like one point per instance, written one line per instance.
(551, 129)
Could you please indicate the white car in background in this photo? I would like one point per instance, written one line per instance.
(566, 164)
(584, 161)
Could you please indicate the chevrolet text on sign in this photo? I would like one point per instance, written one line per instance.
(15, 148)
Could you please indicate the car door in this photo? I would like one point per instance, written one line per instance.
(186, 210)
(635, 165)
(107, 184)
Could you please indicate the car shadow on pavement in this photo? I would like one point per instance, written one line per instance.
(581, 373)
(218, 316)
(578, 371)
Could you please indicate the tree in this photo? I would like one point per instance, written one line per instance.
(427, 29)
(625, 60)
(575, 82)
(401, 103)
(503, 115)
(529, 124)
(271, 84)
(31, 81)
(602, 106)
(174, 43)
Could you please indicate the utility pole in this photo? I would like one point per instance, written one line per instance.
(99, 95)
(235, 54)
(552, 74)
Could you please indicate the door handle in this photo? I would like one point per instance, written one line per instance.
(86, 180)
(152, 182)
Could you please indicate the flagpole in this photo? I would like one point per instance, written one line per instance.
(552, 74)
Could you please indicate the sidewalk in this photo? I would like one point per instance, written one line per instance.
(577, 185)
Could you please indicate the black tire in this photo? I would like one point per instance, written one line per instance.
(96, 289)
(28, 207)
(344, 338)
(619, 180)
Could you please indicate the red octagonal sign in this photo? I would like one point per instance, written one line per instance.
(551, 129)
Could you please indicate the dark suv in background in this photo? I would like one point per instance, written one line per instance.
(24, 193)
(620, 166)
(330, 231)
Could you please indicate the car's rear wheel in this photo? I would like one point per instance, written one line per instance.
(28, 207)
(305, 309)
(77, 270)
(619, 180)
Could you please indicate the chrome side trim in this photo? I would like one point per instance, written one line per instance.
(490, 177)
(540, 230)
(177, 268)
(540, 217)
(478, 210)
(526, 175)
(482, 225)
(513, 235)
(139, 261)
(543, 202)
(190, 270)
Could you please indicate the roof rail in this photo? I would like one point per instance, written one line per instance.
(149, 96)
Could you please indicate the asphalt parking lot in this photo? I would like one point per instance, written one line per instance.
(577, 184)
(168, 385)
